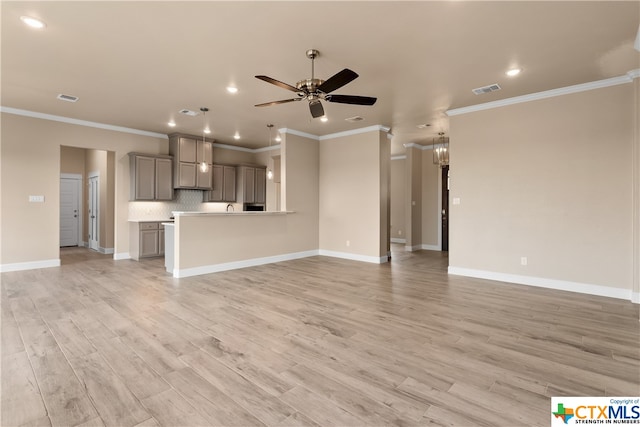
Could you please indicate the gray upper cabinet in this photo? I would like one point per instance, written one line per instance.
(251, 185)
(189, 153)
(224, 185)
(151, 177)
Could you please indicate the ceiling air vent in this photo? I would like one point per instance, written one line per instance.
(188, 112)
(68, 98)
(355, 119)
(486, 89)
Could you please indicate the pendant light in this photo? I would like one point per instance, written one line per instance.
(269, 171)
(203, 165)
(441, 150)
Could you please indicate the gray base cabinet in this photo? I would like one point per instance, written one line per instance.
(146, 239)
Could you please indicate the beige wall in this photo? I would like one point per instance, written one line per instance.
(30, 152)
(299, 187)
(550, 180)
(431, 204)
(72, 160)
(354, 184)
(398, 198)
(636, 193)
(413, 210)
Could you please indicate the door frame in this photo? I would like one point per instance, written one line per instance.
(94, 176)
(78, 178)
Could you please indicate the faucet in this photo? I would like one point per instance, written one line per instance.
(230, 206)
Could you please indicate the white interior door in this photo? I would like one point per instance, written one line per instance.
(70, 211)
(94, 209)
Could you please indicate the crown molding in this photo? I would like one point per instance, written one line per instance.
(269, 148)
(613, 81)
(401, 157)
(355, 132)
(298, 133)
(418, 146)
(78, 122)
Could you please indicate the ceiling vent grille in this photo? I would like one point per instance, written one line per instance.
(68, 98)
(354, 119)
(188, 112)
(486, 89)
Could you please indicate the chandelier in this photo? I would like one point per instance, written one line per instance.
(441, 150)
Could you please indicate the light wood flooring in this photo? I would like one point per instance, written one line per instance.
(316, 341)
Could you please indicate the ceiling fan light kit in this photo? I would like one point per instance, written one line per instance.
(316, 90)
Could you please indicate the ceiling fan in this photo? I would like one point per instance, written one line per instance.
(314, 90)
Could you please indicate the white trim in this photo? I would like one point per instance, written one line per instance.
(418, 146)
(635, 297)
(121, 255)
(215, 268)
(355, 132)
(106, 251)
(561, 285)
(430, 247)
(413, 248)
(298, 133)
(78, 122)
(269, 148)
(613, 81)
(402, 157)
(397, 240)
(353, 257)
(31, 265)
(232, 147)
(71, 176)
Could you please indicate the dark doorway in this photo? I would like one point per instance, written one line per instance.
(445, 208)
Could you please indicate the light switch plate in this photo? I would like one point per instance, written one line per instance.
(456, 200)
(36, 199)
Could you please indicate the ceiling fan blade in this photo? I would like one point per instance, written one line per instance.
(283, 101)
(278, 83)
(316, 109)
(351, 99)
(338, 80)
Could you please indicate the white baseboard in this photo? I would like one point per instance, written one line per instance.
(430, 247)
(215, 268)
(413, 248)
(354, 257)
(397, 240)
(635, 297)
(121, 255)
(105, 251)
(561, 285)
(18, 266)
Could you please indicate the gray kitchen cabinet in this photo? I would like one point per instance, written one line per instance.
(189, 153)
(251, 184)
(146, 239)
(224, 185)
(150, 177)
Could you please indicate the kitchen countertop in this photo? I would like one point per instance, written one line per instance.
(151, 220)
(249, 213)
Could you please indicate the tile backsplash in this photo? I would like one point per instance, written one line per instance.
(186, 200)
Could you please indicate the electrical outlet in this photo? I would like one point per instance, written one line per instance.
(348, 243)
(36, 199)
(524, 260)
(399, 232)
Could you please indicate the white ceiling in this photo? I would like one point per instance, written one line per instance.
(136, 64)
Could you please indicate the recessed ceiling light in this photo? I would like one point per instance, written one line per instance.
(172, 124)
(513, 72)
(423, 126)
(207, 130)
(236, 136)
(232, 89)
(32, 22)
(324, 119)
(277, 138)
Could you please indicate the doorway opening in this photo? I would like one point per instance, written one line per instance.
(445, 208)
(93, 172)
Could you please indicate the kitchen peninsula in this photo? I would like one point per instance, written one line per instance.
(207, 242)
